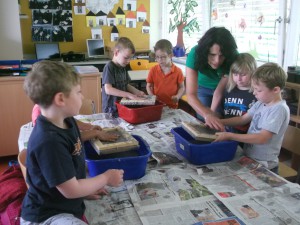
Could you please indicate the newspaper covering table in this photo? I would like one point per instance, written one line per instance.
(176, 192)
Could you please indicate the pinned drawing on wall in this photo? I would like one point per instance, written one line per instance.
(120, 16)
(101, 18)
(51, 21)
(96, 33)
(79, 10)
(79, 7)
(114, 36)
(141, 13)
(129, 5)
(130, 20)
(111, 19)
(105, 5)
(90, 19)
(146, 27)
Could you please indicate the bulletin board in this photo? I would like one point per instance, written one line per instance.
(81, 31)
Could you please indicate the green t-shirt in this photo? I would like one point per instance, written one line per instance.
(210, 77)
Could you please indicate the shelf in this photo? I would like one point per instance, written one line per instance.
(292, 85)
(295, 118)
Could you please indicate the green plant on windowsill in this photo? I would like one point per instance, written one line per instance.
(183, 10)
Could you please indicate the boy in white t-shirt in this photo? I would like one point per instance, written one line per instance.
(269, 118)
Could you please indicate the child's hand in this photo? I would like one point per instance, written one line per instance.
(105, 136)
(222, 136)
(135, 97)
(141, 94)
(96, 127)
(114, 177)
(97, 194)
(174, 98)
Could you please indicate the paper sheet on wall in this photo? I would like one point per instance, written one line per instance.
(103, 5)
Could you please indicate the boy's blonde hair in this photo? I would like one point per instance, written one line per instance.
(47, 78)
(271, 74)
(243, 64)
(125, 43)
(164, 45)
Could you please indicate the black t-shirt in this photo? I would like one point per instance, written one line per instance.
(236, 103)
(118, 77)
(54, 156)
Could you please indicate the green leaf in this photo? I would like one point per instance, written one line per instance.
(176, 18)
(172, 11)
(170, 2)
(194, 4)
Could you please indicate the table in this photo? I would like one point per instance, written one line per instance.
(138, 76)
(181, 193)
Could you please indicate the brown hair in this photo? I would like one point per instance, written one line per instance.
(125, 43)
(164, 45)
(271, 74)
(47, 78)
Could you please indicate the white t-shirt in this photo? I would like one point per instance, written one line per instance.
(274, 118)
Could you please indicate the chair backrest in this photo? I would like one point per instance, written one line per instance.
(139, 64)
(22, 162)
(88, 107)
(291, 140)
(151, 64)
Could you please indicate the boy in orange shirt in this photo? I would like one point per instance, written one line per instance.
(165, 80)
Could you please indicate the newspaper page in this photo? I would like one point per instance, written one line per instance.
(210, 172)
(265, 207)
(238, 185)
(113, 209)
(173, 196)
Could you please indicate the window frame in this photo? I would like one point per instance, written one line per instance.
(288, 43)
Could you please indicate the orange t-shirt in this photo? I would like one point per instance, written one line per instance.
(165, 85)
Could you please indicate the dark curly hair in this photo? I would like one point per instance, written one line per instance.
(222, 37)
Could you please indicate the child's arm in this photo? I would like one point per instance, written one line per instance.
(99, 134)
(134, 91)
(180, 92)
(149, 88)
(110, 90)
(237, 120)
(259, 138)
(218, 93)
(87, 126)
(74, 188)
(89, 131)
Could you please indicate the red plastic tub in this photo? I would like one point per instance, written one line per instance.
(140, 114)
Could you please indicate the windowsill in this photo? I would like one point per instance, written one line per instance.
(179, 60)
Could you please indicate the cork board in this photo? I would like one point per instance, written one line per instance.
(199, 131)
(125, 142)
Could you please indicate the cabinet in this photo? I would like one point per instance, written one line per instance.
(294, 86)
(16, 108)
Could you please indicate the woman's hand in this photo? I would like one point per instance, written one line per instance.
(214, 122)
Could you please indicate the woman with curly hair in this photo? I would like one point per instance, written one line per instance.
(207, 67)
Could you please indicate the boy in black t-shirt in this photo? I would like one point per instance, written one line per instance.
(55, 155)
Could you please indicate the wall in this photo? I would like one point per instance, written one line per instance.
(81, 32)
(10, 35)
(156, 22)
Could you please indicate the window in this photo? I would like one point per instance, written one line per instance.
(268, 29)
(201, 13)
(255, 24)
